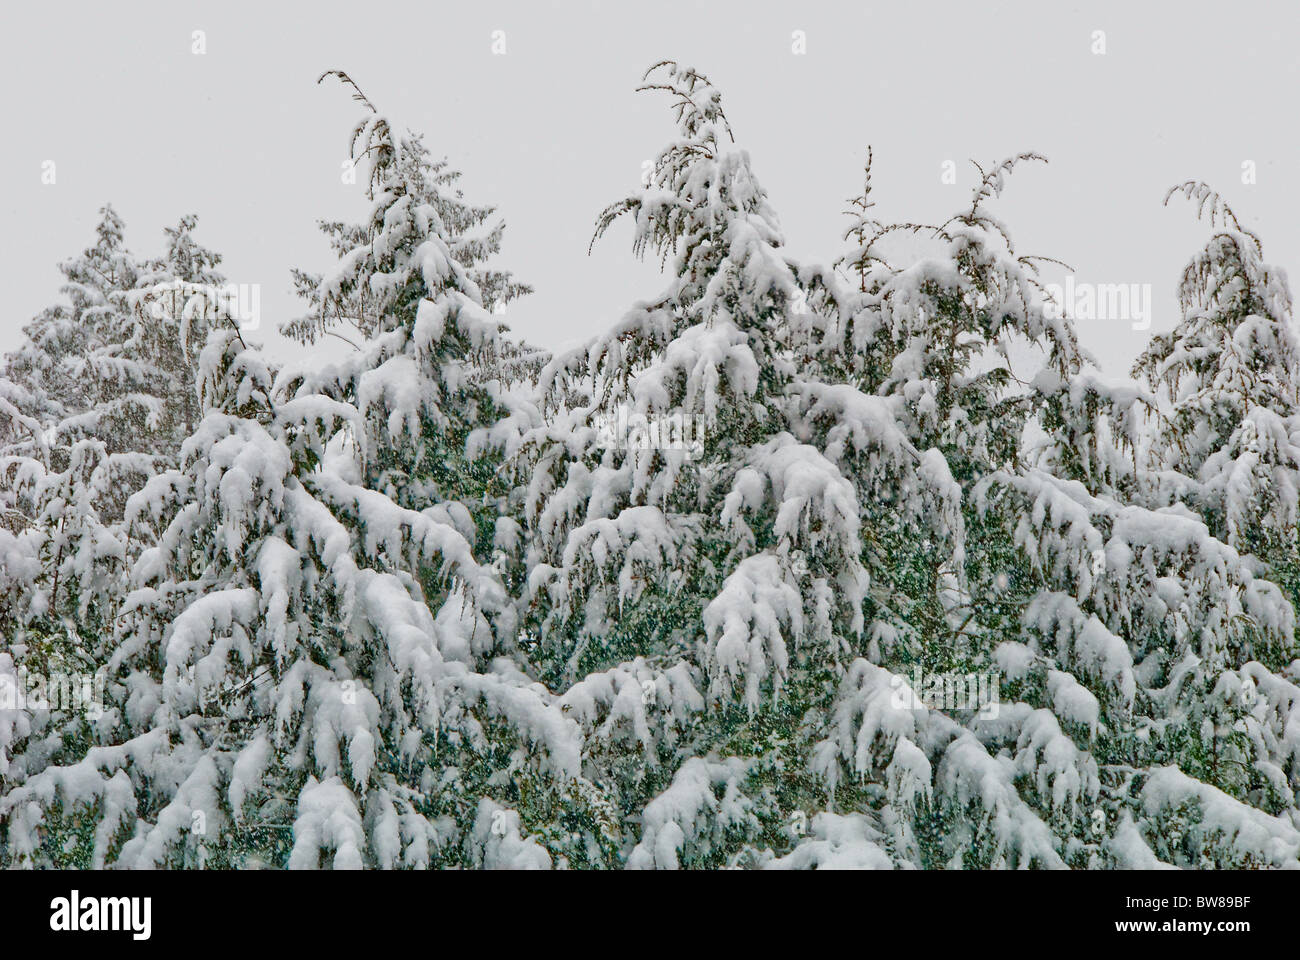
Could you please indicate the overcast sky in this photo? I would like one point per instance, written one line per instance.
(551, 131)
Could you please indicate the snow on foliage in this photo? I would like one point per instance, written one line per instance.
(883, 575)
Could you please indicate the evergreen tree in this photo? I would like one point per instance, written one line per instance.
(722, 568)
(299, 648)
(1147, 639)
(1227, 441)
(97, 400)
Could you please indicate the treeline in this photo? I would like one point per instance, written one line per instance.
(858, 588)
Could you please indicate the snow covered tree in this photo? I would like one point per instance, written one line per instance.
(49, 365)
(305, 671)
(413, 293)
(116, 363)
(1229, 441)
(699, 577)
(282, 687)
(96, 400)
(1147, 639)
(947, 347)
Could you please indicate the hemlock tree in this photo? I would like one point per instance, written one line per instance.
(944, 343)
(718, 587)
(96, 401)
(50, 365)
(413, 294)
(1150, 640)
(1228, 372)
(116, 363)
(301, 654)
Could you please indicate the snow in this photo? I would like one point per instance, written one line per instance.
(414, 608)
(837, 843)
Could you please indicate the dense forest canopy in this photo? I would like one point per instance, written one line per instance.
(862, 564)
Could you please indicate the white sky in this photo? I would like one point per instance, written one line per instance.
(552, 131)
